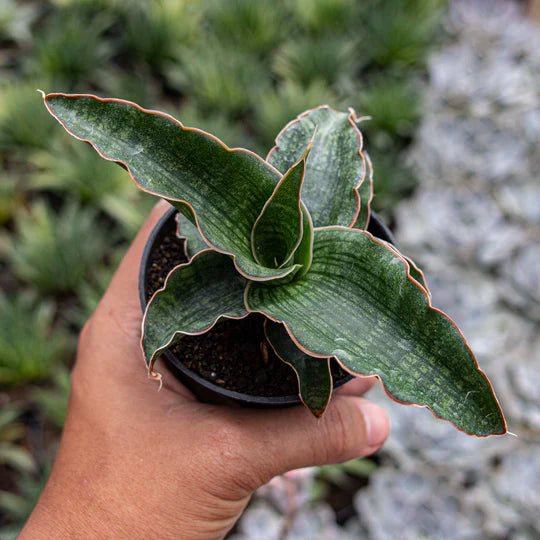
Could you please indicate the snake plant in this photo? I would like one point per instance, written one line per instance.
(286, 237)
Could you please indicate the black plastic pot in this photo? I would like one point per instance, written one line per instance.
(205, 390)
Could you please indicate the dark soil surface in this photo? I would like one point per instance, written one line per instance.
(234, 354)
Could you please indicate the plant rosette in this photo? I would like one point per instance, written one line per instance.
(246, 375)
(287, 238)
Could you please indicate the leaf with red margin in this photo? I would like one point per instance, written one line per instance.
(225, 188)
(366, 196)
(304, 252)
(194, 242)
(335, 169)
(417, 274)
(314, 378)
(359, 304)
(195, 296)
(277, 232)
(414, 272)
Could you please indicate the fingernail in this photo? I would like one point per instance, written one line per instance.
(377, 424)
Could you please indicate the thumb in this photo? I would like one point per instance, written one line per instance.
(287, 439)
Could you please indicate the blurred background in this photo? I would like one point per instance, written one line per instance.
(453, 89)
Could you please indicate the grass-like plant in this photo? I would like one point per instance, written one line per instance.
(11, 432)
(23, 126)
(155, 31)
(262, 26)
(77, 171)
(398, 33)
(221, 79)
(392, 103)
(305, 60)
(10, 197)
(75, 53)
(90, 291)
(31, 347)
(286, 237)
(53, 402)
(55, 251)
(324, 16)
(278, 105)
(16, 507)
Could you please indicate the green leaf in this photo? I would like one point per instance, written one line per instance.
(335, 168)
(278, 230)
(196, 295)
(314, 378)
(225, 188)
(187, 230)
(366, 196)
(417, 274)
(414, 272)
(304, 252)
(17, 457)
(358, 303)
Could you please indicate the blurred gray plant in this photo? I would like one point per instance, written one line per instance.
(475, 154)
(426, 504)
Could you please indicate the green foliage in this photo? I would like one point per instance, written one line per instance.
(221, 79)
(56, 251)
(23, 123)
(77, 171)
(11, 432)
(230, 68)
(53, 402)
(129, 212)
(329, 59)
(314, 377)
(256, 27)
(278, 105)
(398, 32)
(229, 131)
(394, 180)
(135, 85)
(156, 31)
(89, 292)
(74, 55)
(287, 240)
(10, 197)
(326, 16)
(341, 475)
(31, 345)
(392, 103)
(18, 506)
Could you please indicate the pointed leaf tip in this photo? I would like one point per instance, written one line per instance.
(277, 232)
(224, 188)
(335, 170)
(314, 377)
(358, 303)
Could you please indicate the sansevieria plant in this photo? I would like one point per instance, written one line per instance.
(286, 236)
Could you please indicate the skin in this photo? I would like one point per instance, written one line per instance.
(137, 463)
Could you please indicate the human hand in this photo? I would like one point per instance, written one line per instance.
(137, 463)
